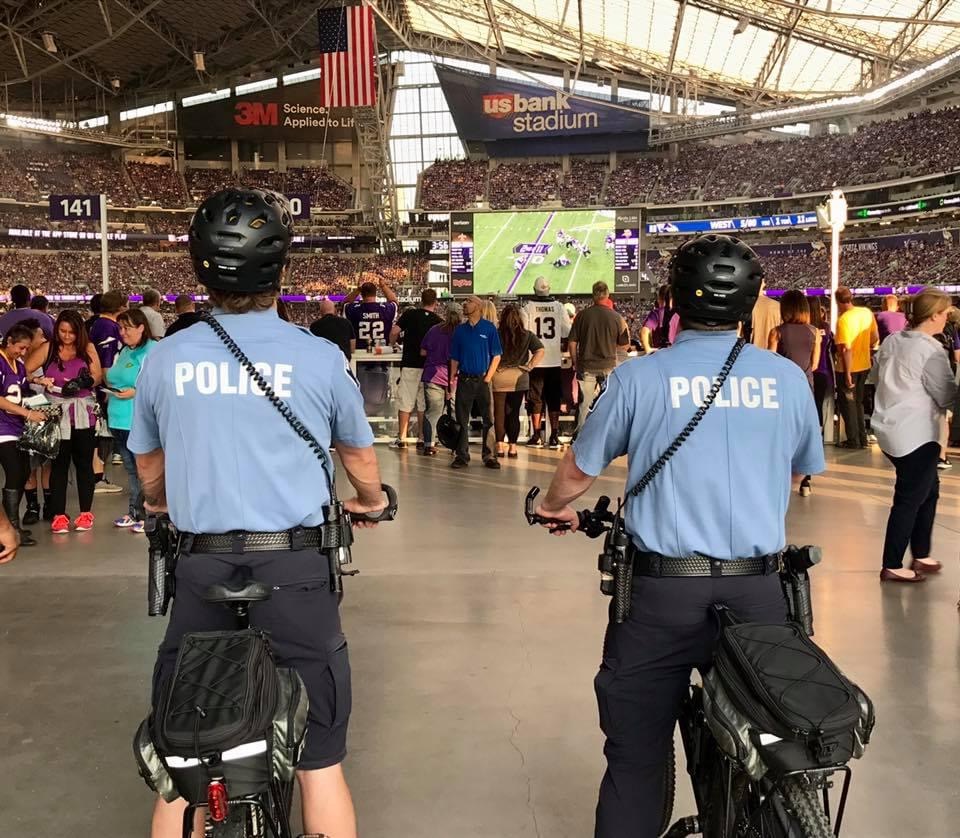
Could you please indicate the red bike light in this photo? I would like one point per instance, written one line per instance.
(217, 801)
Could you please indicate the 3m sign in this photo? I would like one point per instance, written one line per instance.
(256, 113)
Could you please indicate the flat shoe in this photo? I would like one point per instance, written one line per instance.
(918, 566)
(513, 455)
(888, 576)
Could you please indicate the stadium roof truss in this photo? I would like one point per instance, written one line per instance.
(747, 52)
(743, 51)
(145, 45)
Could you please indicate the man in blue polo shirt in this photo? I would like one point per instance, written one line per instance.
(475, 354)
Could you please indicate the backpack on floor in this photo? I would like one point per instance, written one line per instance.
(448, 428)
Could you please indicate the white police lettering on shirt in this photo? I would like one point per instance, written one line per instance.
(228, 378)
(737, 391)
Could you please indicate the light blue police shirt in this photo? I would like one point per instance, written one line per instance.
(232, 461)
(725, 492)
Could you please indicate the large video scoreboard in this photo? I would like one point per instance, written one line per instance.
(504, 253)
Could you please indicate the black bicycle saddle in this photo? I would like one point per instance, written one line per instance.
(249, 591)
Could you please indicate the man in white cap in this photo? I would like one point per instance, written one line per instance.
(548, 320)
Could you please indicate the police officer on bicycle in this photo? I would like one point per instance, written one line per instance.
(235, 477)
(709, 526)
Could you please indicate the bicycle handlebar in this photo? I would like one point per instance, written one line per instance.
(591, 522)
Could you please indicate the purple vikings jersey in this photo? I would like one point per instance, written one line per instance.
(105, 336)
(13, 386)
(372, 322)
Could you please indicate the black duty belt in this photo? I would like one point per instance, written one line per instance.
(655, 564)
(470, 376)
(241, 541)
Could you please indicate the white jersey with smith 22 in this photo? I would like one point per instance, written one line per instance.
(549, 321)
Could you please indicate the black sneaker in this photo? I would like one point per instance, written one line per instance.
(492, 462)
(943, 464)
(458, 463)
(554, 442)
(399, 444)
(536, 440)
(48, 513)
(32, 514)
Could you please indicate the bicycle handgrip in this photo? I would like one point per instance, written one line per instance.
(388, 513)
(536, 520)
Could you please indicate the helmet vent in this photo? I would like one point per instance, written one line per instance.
(259, 221)
(271, 243)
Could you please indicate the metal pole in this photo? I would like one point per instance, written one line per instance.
(104, 255)
(834, 274)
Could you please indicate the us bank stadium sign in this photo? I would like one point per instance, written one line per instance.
(491, 110)
(538, 113)
(284, 113)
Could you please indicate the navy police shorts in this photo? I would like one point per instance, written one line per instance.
(303, 619)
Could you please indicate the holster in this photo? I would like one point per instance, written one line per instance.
(616, 569)
(163, 554)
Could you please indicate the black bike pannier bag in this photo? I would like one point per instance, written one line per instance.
(777, 703)
(229, 711)
(223, 693)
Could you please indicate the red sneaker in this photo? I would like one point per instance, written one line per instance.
(60, 525)
(84, 522)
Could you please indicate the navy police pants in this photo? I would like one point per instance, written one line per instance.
(303, 618)
(643, 680)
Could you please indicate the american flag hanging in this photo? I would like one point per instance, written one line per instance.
(348, 47)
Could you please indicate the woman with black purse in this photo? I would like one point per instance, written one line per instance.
(71, 369)
(13, 416)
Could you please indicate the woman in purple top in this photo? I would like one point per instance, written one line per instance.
(437, 386)
(13, 415)
(797, 340)
(662, 324)
(68, 357)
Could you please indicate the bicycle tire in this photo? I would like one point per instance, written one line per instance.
(669, 789)
(806, 806)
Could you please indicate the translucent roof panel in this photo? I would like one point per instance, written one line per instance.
(731, 43)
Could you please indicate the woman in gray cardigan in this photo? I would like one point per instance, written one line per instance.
(915, 386)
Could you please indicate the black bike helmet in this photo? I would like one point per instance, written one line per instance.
(715, 279)
(240, 240)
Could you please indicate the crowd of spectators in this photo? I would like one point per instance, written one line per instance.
(583, 183)
(920, 143)
(72, 272)
(31, 174)
(523, 184)
(326, 190)
(157, 184)
(918, 263)
(453, 184)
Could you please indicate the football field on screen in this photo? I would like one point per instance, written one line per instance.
(499, 239)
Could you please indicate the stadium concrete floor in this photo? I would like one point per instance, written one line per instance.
(474, 641)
